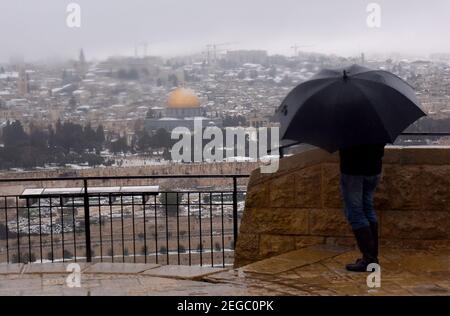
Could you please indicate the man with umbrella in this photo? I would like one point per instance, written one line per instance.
(357, 111)
(360, 173)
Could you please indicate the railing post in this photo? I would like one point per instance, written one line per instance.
(87, 222)
(235, 214)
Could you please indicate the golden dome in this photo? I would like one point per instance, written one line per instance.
(183, 98)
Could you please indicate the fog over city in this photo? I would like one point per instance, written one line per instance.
(37, 30)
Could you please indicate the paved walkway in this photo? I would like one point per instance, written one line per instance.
(315, 270)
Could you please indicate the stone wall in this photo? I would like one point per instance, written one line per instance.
(300, 205)
(12, 188)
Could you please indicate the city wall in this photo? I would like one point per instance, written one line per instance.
(169, 169)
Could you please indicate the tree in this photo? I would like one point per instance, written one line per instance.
(14, 135)
(100, 135)
(161, 139)
(169, 200)
(24, 258)
(66, 143)
(206, 199)
(182, 249)
(67, 254)
(166, 154)
(143, 141)
(89, 136)
(119, 145)
(38, 138)
(4, 233)
(92, 253)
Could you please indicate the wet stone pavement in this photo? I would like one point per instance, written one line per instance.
(314, 270)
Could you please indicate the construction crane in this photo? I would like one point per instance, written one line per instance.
(144, 46)
(213, 48)
(296, 47)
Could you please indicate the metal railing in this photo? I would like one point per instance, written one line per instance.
(183, 226)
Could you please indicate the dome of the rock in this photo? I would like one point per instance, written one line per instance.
(183, 98)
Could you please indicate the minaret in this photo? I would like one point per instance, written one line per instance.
(82, 65)
(23, 83)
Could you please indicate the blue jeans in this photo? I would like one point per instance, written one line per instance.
(357, 192)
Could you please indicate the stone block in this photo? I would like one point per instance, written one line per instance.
(341, 241)
(293, 260)
(282, 191)
(308, 187)
(247, 224)
(182, 272)
(119, 268)
(415, 225)
(305, 241)
(331, 186)
(257, 196)
(281, 221)
(247, 245)
(416, 244)
(11, 268)
(305, 159)
(329, 222)
(400, 188)
(435, 186)
(275, 244)
(426, 156)
(56, 267)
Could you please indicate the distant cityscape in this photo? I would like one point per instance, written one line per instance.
(120, 111)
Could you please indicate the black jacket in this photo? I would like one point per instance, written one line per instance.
(363, 160)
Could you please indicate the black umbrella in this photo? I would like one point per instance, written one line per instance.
(348, 107)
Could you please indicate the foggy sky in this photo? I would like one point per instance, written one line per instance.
(37, 29)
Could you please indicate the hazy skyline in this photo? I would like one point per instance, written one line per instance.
(38, 30)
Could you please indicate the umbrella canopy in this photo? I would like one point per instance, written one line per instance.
(348, 107)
